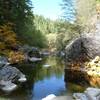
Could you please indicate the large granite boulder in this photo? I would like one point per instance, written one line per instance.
(9, 76)
(83, 48)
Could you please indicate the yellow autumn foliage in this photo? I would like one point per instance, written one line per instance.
(15, 57)
(7, 36)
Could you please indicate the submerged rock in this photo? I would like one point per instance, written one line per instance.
(34, 59)
(46, 65)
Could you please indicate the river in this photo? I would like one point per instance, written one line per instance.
(44, 78)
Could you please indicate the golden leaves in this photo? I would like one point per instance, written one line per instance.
(7, 35)
(15, 57)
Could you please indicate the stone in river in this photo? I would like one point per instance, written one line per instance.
(46, 65)
(49, 97)
(7, 86)
(34, 59)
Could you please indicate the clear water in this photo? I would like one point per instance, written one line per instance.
(42, 81)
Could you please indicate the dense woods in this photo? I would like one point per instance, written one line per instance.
(19, 25)
(57, 33)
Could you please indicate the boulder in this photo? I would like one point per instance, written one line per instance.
(9, 76)
(8, 73)
(83, 48)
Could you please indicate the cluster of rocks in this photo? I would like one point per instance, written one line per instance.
(89, 94)
(32, 54)
(9, 76)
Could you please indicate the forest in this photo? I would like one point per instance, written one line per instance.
(19, 24)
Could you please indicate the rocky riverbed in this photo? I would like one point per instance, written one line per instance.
(89, 94)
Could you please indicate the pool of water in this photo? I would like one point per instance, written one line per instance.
(44, 78)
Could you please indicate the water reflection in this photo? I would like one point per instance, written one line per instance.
(43, 81)
(52, 85)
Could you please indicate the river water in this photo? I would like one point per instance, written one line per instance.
(44, 78)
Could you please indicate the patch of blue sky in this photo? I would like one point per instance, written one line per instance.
(69, 11)
(52, 9)
(48, 8)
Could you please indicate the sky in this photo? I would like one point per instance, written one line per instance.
(48, 8)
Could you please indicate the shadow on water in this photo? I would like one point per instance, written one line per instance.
(44, 78)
